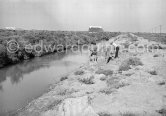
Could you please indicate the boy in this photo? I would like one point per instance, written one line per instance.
(93, 50)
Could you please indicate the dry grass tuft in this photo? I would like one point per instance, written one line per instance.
(79, 72)
(133, 61)
(54, 104)
(128, 114)
(107, 91)
(105, 72)
(162, 112)
(104, 114)
(63, 78)
(103, 78)
(153, 72)
(89, 80)
(156, 55)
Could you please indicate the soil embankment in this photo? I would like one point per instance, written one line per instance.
(131, 85)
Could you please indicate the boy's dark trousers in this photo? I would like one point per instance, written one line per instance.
(117, 51)
(110, 58)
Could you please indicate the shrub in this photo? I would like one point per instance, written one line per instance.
(104, 114)
(79, 72)
(107, 91)
(113, 82)
(63, 78)
(105, 72)
(2, 50)
(156, 55)
(162, 111)
(89, 80)
(134, 61)
(153, 72)
(128, 114)
(54, 104)
(103, 78)
(64, 91)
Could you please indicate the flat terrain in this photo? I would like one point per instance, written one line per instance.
(131, 85)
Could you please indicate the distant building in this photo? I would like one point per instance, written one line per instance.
(12, 28)
(95, 29)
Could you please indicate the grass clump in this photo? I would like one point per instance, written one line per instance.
(54, 104)
(133, 61)
(114, 82)
(128, 114)
(89, 80)
(162, 112)
(103, 78)
(156, 55)
(153, 72)
(64, 91)
(104, 114)
(107, 91)
(105, 72)
(63, 78)
(79, 72)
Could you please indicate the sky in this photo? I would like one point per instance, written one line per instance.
(78, 15)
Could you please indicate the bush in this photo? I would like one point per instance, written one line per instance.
(112, 82)
(134, 61)
(156, 55)
(64, 91)
(54, 104)
(63, 78)
(162, 111)
(153, 72)
(128, 114)
(105, 72)
(107, 91)
(104, 114)
(79, 72)
(103, 78)
(89, 80)
(3, 50)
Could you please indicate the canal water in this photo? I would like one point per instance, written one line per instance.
(21, 83)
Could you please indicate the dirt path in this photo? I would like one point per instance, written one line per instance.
(131, 85)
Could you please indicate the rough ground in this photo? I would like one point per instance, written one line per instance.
(103, 90)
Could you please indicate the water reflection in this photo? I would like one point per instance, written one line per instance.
(24, 81)
(16, 72)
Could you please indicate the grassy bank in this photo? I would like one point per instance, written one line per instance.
(50, 39)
